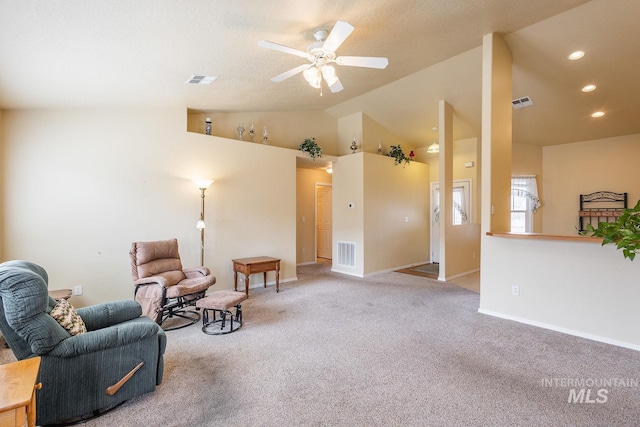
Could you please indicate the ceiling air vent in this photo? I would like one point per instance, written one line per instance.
(521, 102)
(200, 80)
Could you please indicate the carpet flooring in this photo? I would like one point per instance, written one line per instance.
(387, 350)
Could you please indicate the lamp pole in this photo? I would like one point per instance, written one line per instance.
(202, 190)
(202, 185)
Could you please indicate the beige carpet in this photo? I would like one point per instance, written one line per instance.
(389, 350)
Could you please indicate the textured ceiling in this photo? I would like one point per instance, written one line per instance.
(73, 53)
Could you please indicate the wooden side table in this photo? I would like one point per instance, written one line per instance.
(248, 266)
(18, 392)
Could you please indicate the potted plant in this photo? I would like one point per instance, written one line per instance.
(310, 146)
(624, 232)
(396, 152)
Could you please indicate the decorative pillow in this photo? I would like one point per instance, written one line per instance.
(67, 316)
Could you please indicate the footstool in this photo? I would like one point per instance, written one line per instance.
(220, 302)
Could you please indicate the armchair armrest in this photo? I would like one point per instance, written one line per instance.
(103, 315)
(196, 272)
(106, 338)
(152, 280)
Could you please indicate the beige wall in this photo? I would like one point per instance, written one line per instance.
(496, 134)
(82, 185)
(381, 195)
(584, 167)
(348, 209)
(2, 185)
(374, 132)
(284, 128)
(579, 288)
(527, 160)
(350, 127)
(306, 181)
(396, 213)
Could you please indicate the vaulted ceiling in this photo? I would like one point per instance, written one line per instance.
(120, 53)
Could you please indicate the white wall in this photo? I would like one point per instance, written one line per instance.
(82, 185)
(578, 287)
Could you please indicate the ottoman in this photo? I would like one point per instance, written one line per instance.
(217, 319)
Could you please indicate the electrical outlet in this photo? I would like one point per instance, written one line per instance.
(515, 290)
(77, 290)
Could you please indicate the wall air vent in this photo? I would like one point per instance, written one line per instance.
(522, 102)
(347, 254)
(197, 79)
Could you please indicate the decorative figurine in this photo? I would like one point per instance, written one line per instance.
(240, 130)
(354, 146)
(265, 138)
(207, 126)
(252, 132)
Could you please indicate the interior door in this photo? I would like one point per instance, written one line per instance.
(461, 211)
(324, 221)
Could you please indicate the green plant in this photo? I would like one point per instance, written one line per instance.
(624, 232)
(395, 151)
(310, 146)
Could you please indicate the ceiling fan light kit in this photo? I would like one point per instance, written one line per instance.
(321, 54)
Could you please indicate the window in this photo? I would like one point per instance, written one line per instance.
(524, 203)
(461, 202)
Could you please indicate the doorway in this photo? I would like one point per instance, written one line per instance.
(324, 221)
(461, 211)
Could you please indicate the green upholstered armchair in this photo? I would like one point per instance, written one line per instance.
(119, 357)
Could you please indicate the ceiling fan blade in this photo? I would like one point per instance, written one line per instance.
(336, 86)
(290, 73)
(338, 34)
(363, 61)
(281, 48)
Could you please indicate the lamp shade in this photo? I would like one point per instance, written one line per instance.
(313, 76)
(203, 183)
(433, 148)
(200, 224)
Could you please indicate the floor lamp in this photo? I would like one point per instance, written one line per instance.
(202, 185)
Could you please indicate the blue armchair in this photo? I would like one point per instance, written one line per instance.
(119, 357)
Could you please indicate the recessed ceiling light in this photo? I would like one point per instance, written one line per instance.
(598, 114)
(576, 55)
(589, 88)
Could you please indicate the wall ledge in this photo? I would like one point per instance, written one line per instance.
(538, 236)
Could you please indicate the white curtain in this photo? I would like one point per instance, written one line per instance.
(524, 187)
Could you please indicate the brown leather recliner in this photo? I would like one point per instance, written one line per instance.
(162, 287)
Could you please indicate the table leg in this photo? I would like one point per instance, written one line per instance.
(265, 279)
(278, 279)
(246, 284)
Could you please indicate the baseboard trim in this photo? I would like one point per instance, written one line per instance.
(561, 330)
(466, 273)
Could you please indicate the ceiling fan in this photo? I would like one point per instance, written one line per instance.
(321, 54)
